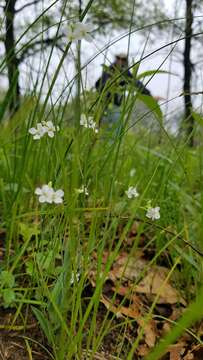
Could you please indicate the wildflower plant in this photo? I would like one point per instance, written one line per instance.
(153, 213)
(82, 190)
(95, 232)
(45, 127)
(50, 128)
(37, 132)
(132, 192)
(88, 123)
(47, 194)
(79, 31)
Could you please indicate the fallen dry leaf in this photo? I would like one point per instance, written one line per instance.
(143, 350)
(128, 294)
(149, 330)
(125, 294)
(166, 328)
(132, 311)
(154, 284)
(127, 268)
(196, 353)
(176, 351)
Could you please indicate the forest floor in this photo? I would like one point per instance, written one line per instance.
(120, 299)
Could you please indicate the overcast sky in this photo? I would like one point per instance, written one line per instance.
(160, 85)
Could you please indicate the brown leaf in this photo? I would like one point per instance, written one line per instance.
(127, 268)
(143, 350)
(132, 311)
(150, 331)
(166, 328)
(128, 294)
(176, 351)
(195, 354)
(154, 284)
(176, 314)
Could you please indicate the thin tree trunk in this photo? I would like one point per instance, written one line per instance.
(11, 59)
(189, 120)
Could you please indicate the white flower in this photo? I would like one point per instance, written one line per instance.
(79, 31)
(47, 195)
(45, 127)
(83, 190)
(37, 132)
(132, 192)
(132, 172)
(153, 213)
(50, 128)
(88, 123)
(57, 196)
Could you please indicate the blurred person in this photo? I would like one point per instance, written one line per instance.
(120, 65)
(115, 94)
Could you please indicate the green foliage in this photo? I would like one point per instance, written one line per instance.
(151, 72)
(198, 118)
(9, 297)
(7, 282)
(53, 253)
(44, 323)
(7, 279)
(117, 14)
(152, 105)
(193, 313)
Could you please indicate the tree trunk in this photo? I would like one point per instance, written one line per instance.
(189, 120)
(11, 59)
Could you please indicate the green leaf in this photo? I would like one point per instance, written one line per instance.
(27, 231)
(44, 323)
(7, 279)
(135, 70)
(45, 260)
(194, 312)
(153, 72)
(8, 297)
(29, 267)
(152, 104)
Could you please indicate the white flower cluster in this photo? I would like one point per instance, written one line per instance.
(132, 192)
(45, 127)
(88, 123)
(47, 194)
(79, 31)
(152, 213)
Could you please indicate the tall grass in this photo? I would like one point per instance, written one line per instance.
(49, 249)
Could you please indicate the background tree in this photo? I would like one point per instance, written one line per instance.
(190, 55)
(11, 58)
(188, 71)
(38, 30)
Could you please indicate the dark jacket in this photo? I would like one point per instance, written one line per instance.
(126, 78)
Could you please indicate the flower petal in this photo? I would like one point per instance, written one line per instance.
(51, 134)
(42, 199)
(38, 191)
(59, 193)
(32, 131)
(58, 200)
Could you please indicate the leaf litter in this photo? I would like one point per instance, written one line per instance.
(130, 288)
